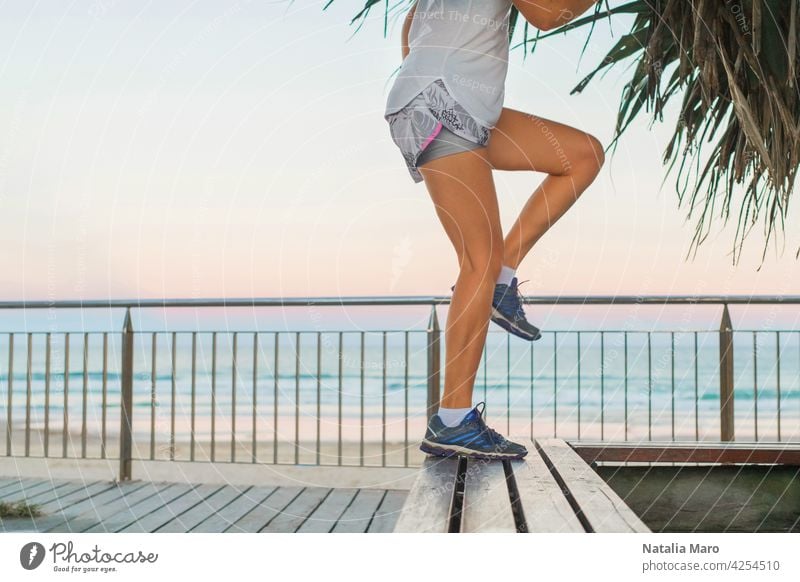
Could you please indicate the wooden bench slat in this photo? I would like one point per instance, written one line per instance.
(689, 452)
(604, 510)
(543, 503)
(487, 506)
(427, 506)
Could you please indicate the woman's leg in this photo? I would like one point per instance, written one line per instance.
(572, 158)
(462, 189)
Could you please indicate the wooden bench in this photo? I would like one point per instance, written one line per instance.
(551, 490)
(691, 452)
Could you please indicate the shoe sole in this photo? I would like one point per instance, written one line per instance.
(439, 450)
(501, 320)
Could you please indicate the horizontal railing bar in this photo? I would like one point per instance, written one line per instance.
(397, 331)
(397, 300)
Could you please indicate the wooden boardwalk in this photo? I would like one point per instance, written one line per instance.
(143, 506)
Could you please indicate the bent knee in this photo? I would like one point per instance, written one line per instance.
(585, 157)
(591, 156)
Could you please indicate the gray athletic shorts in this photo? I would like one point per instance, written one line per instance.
(434, 125)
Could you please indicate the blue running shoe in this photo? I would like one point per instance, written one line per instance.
(472, 438)
(507, 312)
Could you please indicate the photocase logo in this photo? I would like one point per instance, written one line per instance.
(31, 555)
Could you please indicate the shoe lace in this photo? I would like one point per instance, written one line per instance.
(496, 436)
(520, 312)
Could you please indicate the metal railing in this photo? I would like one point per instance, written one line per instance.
(284, 403)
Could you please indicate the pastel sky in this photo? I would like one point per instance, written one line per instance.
(200, 148)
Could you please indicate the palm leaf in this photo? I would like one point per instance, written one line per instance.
(737, 71)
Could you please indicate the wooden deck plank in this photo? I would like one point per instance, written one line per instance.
(294, 514)
(87, 507)
(599, 505)
(389, 511)
(325, 516)
(543, 503)
(125, 513)
(31, 489)
(234, 511)
(264, 512)
(165, 507)
(487, 506)
(60, 517)
(196, 495)
(16, 489)
(359, 513)
(209, 506)
(82, 493)
(45, 492)
(428, 503)
(10, 488)
(51, 492)
(8, 483)
(95, 518)
(80, 497)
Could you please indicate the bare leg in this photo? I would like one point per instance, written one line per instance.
(462, 189)
(571, 157)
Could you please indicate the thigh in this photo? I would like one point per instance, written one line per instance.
(523, 141)
(462, 189)
(445, 143)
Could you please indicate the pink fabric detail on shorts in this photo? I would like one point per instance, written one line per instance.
(431, 136)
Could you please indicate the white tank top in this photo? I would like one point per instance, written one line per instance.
(464, 43)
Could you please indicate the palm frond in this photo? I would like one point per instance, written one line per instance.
(735, 64)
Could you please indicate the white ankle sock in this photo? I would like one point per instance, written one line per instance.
(506, 274)
(452, 416)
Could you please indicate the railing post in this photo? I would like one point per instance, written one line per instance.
(434, 362)
(126, 403)
(726, 376)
